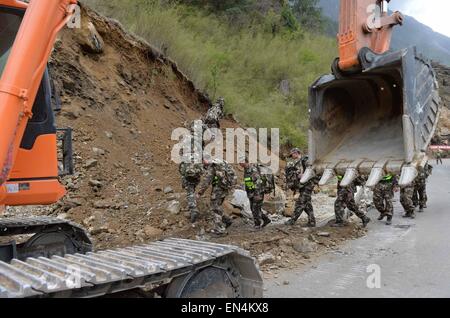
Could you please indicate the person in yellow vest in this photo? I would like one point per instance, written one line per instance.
(255, 193)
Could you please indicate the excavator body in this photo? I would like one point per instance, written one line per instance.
(54, 257)
(377, 112)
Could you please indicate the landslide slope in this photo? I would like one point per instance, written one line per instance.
(123, 105)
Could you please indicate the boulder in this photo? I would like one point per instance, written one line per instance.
(266, 258)
(91, 163)
(168, 190)
(174, 207)
(89, 39)
(151, 231)
(305, 246)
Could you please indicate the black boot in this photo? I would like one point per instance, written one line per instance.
(366, 220)
(389, 220)
(311, 222)
(381, 217)
(266, 220)
(227, 221)
(338, 224)
(293, 220)
(194, 217)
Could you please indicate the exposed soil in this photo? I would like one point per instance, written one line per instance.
(443, 74)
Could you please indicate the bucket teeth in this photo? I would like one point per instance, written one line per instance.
(327, 175)
(375, 177)
(308, 175)
(409, 174)
(350, 175)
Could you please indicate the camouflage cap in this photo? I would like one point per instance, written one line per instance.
(296, 150)
(221, 101)
(207, 157)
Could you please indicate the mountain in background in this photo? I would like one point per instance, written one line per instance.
(413, 33)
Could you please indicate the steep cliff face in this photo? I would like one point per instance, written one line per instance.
(443, 74)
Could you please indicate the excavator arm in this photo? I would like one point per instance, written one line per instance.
(364, 23)
(377, 112)
(28, 143)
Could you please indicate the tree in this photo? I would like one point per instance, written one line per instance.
(288, 18)
(308, 13)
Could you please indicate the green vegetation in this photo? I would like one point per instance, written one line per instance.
(242, 50)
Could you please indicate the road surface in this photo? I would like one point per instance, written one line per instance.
(409, 259)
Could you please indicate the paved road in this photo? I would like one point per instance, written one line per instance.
(413, 256)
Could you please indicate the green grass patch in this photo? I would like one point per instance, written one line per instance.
(244, 65)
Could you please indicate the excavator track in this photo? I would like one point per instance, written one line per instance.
(49, 236)
(16, 226)
(187, 268)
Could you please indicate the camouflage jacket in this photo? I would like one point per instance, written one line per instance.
(423, 175)
(218, 174)
(294, 171)
(359, 181)
(191, 172)
(253, 180)
(213, 116)
(308, 187)
(387, 186)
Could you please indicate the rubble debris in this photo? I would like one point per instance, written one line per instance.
(266, 258)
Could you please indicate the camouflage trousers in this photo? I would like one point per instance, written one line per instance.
(406, 199)
(256, 204)
(382, 198)
(420, 197)
(189, 187)
(304, 204)
(218, 196)
(345, 199)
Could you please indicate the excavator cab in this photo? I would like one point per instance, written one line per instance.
(33, 177)
(10, 20)
(378, 110)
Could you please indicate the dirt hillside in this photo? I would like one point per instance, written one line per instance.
(443, 73)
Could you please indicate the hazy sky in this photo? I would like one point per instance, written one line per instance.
(434, 13)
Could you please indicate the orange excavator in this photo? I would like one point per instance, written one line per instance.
(377, 112)
(53, 257)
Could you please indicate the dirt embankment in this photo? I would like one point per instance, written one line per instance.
(123, 99)
(443, 74)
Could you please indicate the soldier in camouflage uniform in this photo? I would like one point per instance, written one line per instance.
(255, 193)
(222, 177)
(420, 197)
(191, 173)
(382, 197)
(406, 199)
(346, 199)
(215, 114)
(304, 201)
(439, 156)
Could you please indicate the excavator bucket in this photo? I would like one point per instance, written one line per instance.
(378, 121)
